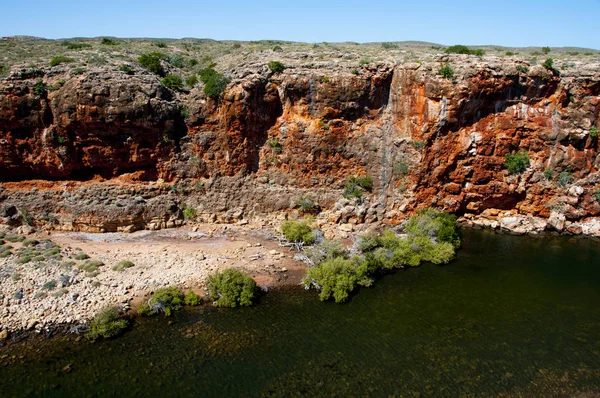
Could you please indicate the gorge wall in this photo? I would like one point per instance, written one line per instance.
(106, 151)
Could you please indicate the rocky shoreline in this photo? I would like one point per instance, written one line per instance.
(42, 298)
(43, 294)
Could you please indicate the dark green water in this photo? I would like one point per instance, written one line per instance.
(514, 316)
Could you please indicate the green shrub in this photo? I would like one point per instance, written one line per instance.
(460, 49)
(214, 82)
(75, 46)
(61, 59)
(50, 285)
(548, 64)
(355, 186)
(389, 46)
(546, 50)
(151, 62)
(108, 42)
(40, 89)
(90, 266)
(435, 225)
(548, 174)
(176, 60)
(365, 61)
(522, 69)
(418, 144)
(337, 278)
(173, 82)
(81, 256)
(231, 288)
(24, 259)
(277, 49)
(400, 169)
(166, 299)
(594, 132)
(564, 179)
(516, 163)
(107, 324)
(298, 232)
(30, 242)
(191, 81)
(3, 69)
(127, 69)
(325, 250)
(192, 299)
(446, 71)
(276, 66)
(123, 265)
(509, 53)
(354, 71)
(160, 44)
(597, 195)
(275, 145)
(306, 204)
(189, 213)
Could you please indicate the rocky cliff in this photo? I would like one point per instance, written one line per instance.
(104, 150)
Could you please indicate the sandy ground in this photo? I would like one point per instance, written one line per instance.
(183, 257)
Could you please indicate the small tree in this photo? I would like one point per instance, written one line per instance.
(546, 50)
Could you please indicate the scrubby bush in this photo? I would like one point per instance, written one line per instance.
(298, 232)
(189, 213)
(400, 169)
(151, 62)
(214, 82)
(548, 174)
(166, 299)
(460, 49)
(231, 288)
(40, 89)
(61, 59)
(176, 60)
(107, 324)
(516, 163)
(81, 256)
(389, 46)
(306, 204)
(127, 69)
(192, 299)
(355, 186)
(75, 46)
(337, 278)
(276, 66)
(325, 250)
(432, 236)
(564, 179)
(594, 132)
(275, 145)
(546, 50)
(123, 265)
(108, 41)
(91, 266)
(597, 195)
(30, 242)
(191, 81)
(548, 64)
(173, 82)
(446, 71)
(160, 44)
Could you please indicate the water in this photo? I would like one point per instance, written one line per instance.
(513, 316)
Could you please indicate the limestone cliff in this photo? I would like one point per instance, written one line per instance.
(121, 151)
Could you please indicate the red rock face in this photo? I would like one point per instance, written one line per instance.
(313, 129)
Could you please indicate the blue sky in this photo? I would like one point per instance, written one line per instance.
(507, 22)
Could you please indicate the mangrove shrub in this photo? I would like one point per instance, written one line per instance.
(231, 288)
